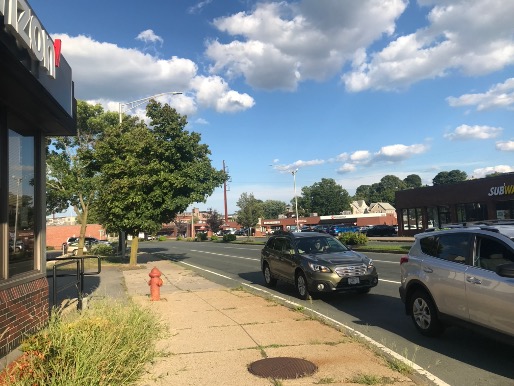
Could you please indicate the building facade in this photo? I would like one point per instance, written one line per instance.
(484, 199)
(36, 101)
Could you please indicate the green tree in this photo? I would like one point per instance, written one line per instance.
(451, 177)
(325, 197)
(412, 181)
(214, 220)
(250, 210)
(362, 193)
(149, 175)
(72, 180)
(273, 208)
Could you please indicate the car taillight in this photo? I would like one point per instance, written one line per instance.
(404, 259)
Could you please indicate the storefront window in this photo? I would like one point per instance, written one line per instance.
(432, 218)
(21, 203)
(505, 210)
(412, 218)
(471, 212)
(444, 215)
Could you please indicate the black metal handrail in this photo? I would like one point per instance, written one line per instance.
(80, 273)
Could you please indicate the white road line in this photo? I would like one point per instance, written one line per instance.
(221, 254)
(419, 369)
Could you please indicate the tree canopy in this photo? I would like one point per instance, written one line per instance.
(150, 174)
(273, 208)
(451, 177)
(250, 209)
(214, 220)
(324, 198)
(72, 179)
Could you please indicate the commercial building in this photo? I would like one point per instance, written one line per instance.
(490, 198)
(36, 101)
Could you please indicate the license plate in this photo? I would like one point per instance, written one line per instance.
(353, 280)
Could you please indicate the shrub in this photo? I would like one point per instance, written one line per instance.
(353, 238)
(201, 236)
(229, 237)
(214, 238)
(102, 250)
(162, 238)
(179, 238)
(106, 344)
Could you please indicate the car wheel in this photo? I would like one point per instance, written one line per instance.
(75, 252)
(424, 314)
(301, 286)
(270, 280)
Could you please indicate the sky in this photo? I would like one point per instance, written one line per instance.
(352, 90)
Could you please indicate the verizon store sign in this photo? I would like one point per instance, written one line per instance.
(23, 24)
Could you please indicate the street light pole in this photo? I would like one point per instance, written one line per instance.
(295, 198)
(138, 102)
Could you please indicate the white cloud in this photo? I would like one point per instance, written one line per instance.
(201, 121)
(505, 145)
(197, 8)
(360, 156)
(501, 95)
(482, 172)
(149, 36)
(464, 132)
(399, 152)
(473, 37)
(297, 165)
(111, 74)
(285, 43)
(214, 92)
(346, 168)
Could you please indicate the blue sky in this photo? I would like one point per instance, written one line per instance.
(343, 89)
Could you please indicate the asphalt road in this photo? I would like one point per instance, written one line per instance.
(459, 357)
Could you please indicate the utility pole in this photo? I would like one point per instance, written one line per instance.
(225, 195)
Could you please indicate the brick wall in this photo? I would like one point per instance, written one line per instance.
(58, 234)
(23, 309)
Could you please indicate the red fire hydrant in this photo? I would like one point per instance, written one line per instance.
(155, 283)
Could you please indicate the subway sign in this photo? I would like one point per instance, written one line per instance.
(23, 24)
(501, 190)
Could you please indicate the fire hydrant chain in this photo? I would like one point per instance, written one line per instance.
(155, 284)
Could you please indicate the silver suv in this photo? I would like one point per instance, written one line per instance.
(461, 276)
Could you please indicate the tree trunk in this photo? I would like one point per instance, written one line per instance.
(134, 245)
(83, 227)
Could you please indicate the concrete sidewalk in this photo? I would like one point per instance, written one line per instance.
(215, 334)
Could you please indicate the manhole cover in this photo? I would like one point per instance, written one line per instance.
(282, 368)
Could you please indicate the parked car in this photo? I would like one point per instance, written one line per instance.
(462, 276)
(87, 240)
(381, 230)
(19, 246)
(89, 243)
(316, 263)
(241, 232)
(321, 228)
(338, 230)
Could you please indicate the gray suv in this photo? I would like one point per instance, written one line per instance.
(316, 262)
(461, 276)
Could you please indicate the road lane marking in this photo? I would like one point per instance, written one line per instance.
(417, 368)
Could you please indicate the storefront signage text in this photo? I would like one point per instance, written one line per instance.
(501, 190)
(26, 28)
